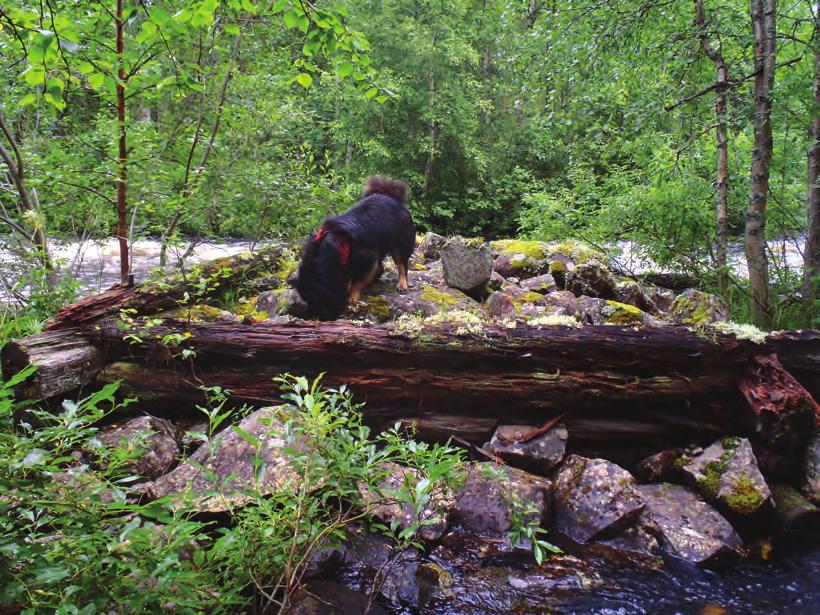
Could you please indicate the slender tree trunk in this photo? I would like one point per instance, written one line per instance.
(192, 178)
(722, 186)
(763, 14)
(16, 171)
(811, 269)
(431, 132)
(122, 183)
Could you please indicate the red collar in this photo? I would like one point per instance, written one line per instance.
(344, 244)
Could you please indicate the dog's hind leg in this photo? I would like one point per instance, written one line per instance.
(371, 276)
(401, 265)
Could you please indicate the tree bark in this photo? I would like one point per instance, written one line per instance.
(65, 361)
(122, 158)
(811, 255)
(763, 17)
(722, 185)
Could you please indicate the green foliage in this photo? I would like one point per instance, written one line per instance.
(72, 538)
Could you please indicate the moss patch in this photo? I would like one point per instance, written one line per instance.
(617, 313)
(527, 297)
(377, 306)
(744, 497)
(437, 296)
(532, 249)
(197, 313)
(577, 251)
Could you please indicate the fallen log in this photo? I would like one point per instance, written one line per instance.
(65, 361)
(670, 377)
(174, 290)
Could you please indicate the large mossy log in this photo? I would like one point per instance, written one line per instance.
(670, 377)
(666, 383)
(174, 290)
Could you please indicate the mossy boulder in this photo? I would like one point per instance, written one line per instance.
(577, 252)
(694, 307)
(727, 474)
(630, 292)
(592, 279)
(520, 258)
(623, 315)
(468, 265)
(381, 302)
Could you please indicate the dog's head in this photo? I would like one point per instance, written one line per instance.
(321, 280)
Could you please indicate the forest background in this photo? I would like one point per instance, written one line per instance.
(598, 120)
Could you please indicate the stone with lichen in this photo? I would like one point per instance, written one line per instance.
(152, 442)
(592, 497)
(592, 279)
(219, 477)
(488, 501)
(687, 527)
(384, 506)
(430, 247)
(467, 265)
(726, 473)
(695, 307)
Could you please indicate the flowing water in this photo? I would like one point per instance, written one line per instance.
(95, 264)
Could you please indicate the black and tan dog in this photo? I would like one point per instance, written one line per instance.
(346, 254)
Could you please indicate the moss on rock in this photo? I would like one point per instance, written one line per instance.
(616, 313)
(529, 248)
(437, 296)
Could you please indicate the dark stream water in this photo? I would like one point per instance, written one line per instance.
(567, 585)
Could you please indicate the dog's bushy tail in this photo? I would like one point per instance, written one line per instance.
(383, 185)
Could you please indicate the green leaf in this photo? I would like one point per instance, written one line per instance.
(159, 15)
(28, 99)
(34, 75)
(370, 93)
(279, 6)
(249, 6)
(52, 574)
(346, 69)
(55, 86)
(304, 79)
(96, 80)
(232, 29)
(291, 19)
(247, 437)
